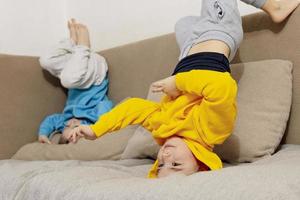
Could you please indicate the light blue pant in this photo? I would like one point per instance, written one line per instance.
(219, 20)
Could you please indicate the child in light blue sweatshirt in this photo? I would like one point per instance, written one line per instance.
(84, 73)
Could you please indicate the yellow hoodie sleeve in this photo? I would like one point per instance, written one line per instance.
(130, 112)
(216, 113)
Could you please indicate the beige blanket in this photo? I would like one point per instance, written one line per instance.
(276, 177)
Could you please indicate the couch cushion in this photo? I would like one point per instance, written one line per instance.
(141, 144)
(108, 147)
(276, 178)
(264, 40)
(264, 100)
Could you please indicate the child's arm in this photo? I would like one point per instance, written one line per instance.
(168, 86)
(81, 131)
(48, 126)
(217, 111)
(130, 112)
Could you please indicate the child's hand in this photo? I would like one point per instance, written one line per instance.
(168, 86)
(44, 139)
(81, 131)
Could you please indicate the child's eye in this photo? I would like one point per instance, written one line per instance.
(160, 165)
(175, 164)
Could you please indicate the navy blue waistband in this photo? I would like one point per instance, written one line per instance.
(203, 61)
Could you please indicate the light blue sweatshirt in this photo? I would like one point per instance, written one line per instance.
(84, 104)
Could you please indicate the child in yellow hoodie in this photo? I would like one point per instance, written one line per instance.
(199, 108)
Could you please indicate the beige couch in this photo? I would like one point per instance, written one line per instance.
(28, 94)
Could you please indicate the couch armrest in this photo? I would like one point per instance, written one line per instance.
(28, 94)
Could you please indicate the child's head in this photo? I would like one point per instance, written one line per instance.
(175, 157)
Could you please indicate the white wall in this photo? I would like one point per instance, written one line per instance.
(30, 27)
(27, 27)
(115, 22)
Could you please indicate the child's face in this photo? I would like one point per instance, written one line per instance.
(175, 157)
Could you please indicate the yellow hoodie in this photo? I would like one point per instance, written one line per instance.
(202, 116)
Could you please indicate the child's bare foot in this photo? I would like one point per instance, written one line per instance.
(72, 30)
(280, 9)
(83, 37)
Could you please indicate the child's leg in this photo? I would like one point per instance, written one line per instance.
(54, 61)
(277, 9)
(83, 37)
(84, 68)
(72, 30)
(218, 29)
(183, 29)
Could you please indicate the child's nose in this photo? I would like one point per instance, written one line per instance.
(166, 152)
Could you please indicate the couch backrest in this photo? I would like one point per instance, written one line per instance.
(266, 40)
(133, 67)
(28, 94)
